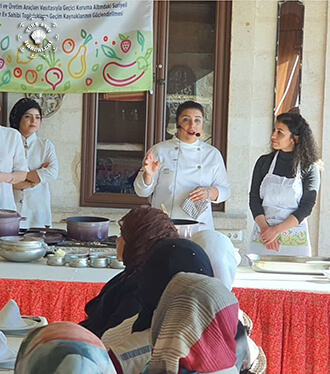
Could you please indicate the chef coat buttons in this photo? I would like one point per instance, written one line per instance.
(176, 148)
(198, 149)
(21, 201)
(199, 167)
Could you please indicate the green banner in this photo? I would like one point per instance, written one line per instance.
(76, 47)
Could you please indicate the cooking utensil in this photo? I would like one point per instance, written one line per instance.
(78, 261)
(99, 261)
(186, 227)
(164, 208)
(20, 249)
(9, 222)
(55, 260)
(289, 264)
(87, 229)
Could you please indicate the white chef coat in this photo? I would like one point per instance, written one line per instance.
(35, 203)
(11, 159)
(183, 167)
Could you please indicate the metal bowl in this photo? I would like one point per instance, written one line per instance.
(186, 227)
(18, 249)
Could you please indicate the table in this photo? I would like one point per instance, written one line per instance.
(291, 313)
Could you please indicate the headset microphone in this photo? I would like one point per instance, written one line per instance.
(198, 134)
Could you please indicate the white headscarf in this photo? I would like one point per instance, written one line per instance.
(221, 253)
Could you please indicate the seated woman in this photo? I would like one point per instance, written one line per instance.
(62, 348)
(140, 230)
(130, 351)
(194, 327)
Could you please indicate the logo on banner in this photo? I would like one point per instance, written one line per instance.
(39, 36)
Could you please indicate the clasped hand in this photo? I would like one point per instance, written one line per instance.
(269, 236)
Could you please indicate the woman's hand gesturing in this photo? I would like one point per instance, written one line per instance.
(150, 167)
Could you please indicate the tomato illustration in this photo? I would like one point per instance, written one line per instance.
(125, 44)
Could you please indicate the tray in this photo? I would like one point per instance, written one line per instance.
(289, 264)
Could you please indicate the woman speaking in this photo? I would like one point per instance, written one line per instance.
(185, 174)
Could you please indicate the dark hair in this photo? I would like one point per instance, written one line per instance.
(305, 151)
(19, 109)
(188, 105)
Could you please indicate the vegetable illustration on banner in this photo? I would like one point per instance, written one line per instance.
(76, 46)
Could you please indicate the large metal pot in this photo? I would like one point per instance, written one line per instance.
(20, 249)
(186, 227)
(87, 229)
(9, 222)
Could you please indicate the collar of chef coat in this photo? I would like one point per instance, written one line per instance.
(184, 144)
(28, 141)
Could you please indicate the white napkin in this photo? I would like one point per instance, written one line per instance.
(10, 316)
(5, 352)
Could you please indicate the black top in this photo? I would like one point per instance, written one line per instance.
(116, 302)
(284, 168)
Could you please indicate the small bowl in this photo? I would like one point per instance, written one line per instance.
(55, 260)
(78, 261)
(99, 262)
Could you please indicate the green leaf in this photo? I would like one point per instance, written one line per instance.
(88, 39)
(83, 33)
(148, 53)
(123, 37)
(5, 79)
(109, 52)
(141, 39)
(67, 85)
(95, 67)
(142, 63)
(39, 67)
(23, 87)
(5, 43)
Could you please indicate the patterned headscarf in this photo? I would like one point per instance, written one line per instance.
(194, 327)
(63, 348)
(169, 257)
(141, 228)
(18, 110)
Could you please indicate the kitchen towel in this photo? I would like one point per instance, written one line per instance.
(194, 209)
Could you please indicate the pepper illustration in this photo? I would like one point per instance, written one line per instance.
(120, 75)
(110, 70)
(125, 44)
(77, 65)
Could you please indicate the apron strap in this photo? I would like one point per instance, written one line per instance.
(272, 165)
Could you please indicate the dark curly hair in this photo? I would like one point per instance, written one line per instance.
(305, 151)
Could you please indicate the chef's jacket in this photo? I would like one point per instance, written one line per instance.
(183, 167)
(35, 203)
(11, 159)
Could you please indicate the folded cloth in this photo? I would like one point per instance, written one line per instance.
(5, 352)
(194, 209)
(10, 316)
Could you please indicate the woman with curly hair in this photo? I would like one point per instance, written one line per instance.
(284, 188)
(140, 230)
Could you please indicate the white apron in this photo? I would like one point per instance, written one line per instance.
(281, 197)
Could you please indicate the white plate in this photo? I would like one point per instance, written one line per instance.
(23, 330)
